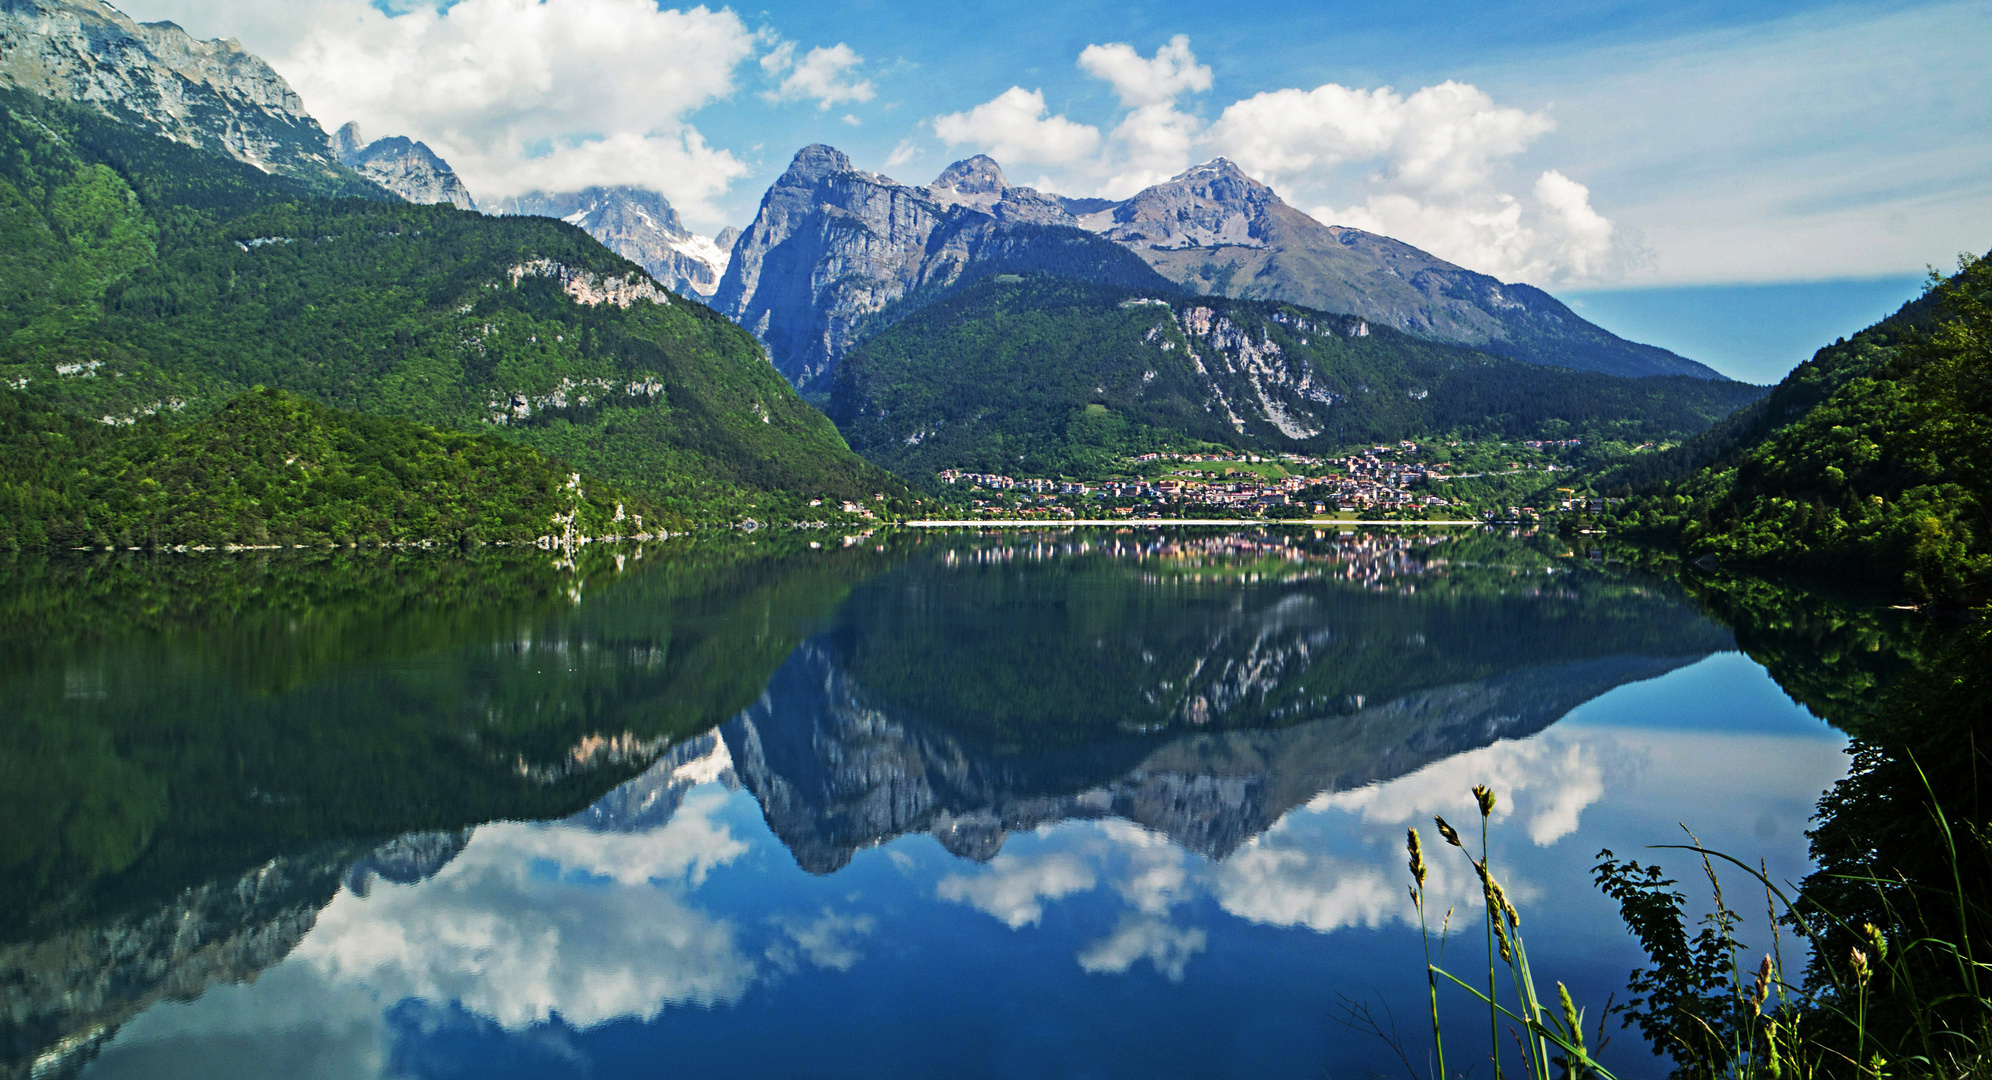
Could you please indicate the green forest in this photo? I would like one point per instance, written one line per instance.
(275, 468)
(147, 278)
(1054, 376)
(1871, 462)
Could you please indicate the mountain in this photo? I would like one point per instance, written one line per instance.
(1063, 376)
(207, 94)
(152, 277)
(1214, 229)
(408, 169)
(835, 255)
(1868, 463)
(639, 225)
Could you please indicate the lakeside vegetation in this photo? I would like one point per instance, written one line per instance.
(1871, 462)
(273, 468)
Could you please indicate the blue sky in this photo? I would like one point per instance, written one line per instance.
(1656, 163)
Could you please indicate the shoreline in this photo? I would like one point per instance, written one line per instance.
(1154, 523)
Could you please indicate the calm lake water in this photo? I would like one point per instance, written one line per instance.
(1083, 804)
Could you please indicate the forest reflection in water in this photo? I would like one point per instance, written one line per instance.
(393, 815)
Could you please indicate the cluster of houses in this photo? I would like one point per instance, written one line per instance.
(1366, 482)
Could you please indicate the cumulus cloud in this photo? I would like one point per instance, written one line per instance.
(822, 76)
(1548, 781)
(1292, 887)
(1157, 80)
(1436, 168)
(610, 934)
(1144, 937)
(1014, 888)
(1013, 127)
(521, 94)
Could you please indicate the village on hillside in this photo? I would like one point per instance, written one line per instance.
(1406, 479)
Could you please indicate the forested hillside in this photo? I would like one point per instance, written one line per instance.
(1872, 462)
(1052, 375)
(274, 468)
(150, 278)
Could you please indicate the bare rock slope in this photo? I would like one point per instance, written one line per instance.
(208, 94)
(408, 169)
(834, 252)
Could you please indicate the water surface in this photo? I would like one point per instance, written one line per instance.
(1074, 804)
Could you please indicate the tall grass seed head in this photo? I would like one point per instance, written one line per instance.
(1484, 795)
(1877, 940)
(1571, 1021)
(1417, 850)
(1859, 961)
(1762, 990)
(1445, 830)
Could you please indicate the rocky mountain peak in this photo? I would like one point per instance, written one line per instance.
(405, 167)
(815, 162)
(347, 141)
(1214, 204)
(979, 175)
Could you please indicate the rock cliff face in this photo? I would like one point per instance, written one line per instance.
(833, 247)
(833, 250)
(210, 94)
(408, 169)
(641, 226)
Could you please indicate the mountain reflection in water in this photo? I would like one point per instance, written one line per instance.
(444, 769)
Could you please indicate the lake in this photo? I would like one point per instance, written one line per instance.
(1077, 803)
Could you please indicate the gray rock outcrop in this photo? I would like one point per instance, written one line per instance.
(833, 250)
(640, 225)
(408, 169)
(208, 94)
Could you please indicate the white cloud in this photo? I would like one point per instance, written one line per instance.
(1013, 127)
(1144, 937)
(522, 94)
(904, 153)
(830, 940)
(1549, 780)
(1014, 888)
(609, 934)
(1171, 72)
(1436, 164)
(821, 76)
(1433, 168)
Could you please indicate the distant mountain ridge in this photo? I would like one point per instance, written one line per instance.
(833, 249)
(641, 226)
